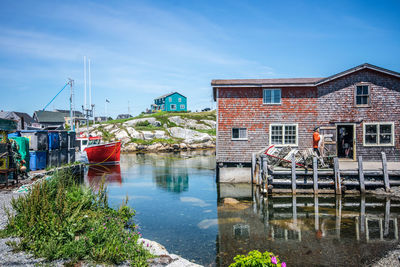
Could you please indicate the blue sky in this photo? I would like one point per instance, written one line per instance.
(142, 49)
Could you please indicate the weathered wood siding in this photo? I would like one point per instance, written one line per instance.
(244, 108)
(325, 105)
(336, 104)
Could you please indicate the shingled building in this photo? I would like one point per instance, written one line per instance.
(359, 108)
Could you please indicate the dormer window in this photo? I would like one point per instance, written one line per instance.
(362, 95)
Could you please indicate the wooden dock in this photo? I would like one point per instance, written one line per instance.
(352, 178)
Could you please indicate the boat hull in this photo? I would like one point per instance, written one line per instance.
(104, 153)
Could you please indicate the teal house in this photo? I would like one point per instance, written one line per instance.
(170, 102)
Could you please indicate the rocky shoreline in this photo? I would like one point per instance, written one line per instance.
(165, 132)
(10, 258)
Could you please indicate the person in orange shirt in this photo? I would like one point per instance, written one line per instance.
(316, 138)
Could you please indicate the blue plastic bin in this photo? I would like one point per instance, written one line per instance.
(38, 160)
(16, 134)
(54, 140)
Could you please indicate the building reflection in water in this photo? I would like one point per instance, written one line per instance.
(307, 230)
(111, 173)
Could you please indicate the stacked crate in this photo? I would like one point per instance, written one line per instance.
(54, 157)
(71, 146)
(38, 145)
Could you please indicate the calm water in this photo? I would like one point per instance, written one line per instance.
(179, 205)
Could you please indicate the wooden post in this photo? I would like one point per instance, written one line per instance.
(385, 173)
(387, 217)
(338, 215)
(253, 166)
(261, 170)
(361, 175)
(265, 176)
(362, 214)
(293, 175)
(338, 185)
(315, 175)
(316, 213)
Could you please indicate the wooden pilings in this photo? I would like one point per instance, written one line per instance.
(385, 173)
(315, 175)
(293, 175)
(361, 175)
(350, 180)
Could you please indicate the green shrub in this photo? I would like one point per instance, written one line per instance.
(143, 123)
(257, 259)
(60, 219)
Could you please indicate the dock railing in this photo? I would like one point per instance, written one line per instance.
(298, 179)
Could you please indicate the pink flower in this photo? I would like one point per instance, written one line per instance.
(273, 260)
(147, 245)
(104, 223)
(283, 264)
(105, 227)
(129, 238)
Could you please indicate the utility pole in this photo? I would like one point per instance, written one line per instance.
(71, 105)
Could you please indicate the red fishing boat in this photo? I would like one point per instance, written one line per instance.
(98, 152)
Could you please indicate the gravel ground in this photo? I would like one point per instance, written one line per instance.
(391, 259)
(9, 258)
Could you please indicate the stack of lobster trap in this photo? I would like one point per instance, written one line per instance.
(9, 157)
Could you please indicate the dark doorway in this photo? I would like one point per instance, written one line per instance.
(345, 141)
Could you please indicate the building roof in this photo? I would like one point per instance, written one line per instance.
(258, 82)
(166, 95)
(9, 114)
(299, 82)
(49, 116)
(67, 112)
(27, 118)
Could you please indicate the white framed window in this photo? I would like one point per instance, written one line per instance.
(272, 96)
(379, 134)
(172, 107)
(239, 134)
(170, 99)
(283, 134)
(182, 106)
(362, 95)
(179, 99)
(162, 106)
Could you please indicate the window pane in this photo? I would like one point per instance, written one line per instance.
(267, 96)
(290, 134)
(364, 100)
(242, 133)
(365, 90)
(385, 128)
(370, 139)
(235, 133)
(358, 100)
(359, 90)
(277, 96)
(385, 139)
(371, 129)
(276, 135)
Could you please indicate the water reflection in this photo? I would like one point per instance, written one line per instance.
(179, 205)
(308, 230)
(111, 174)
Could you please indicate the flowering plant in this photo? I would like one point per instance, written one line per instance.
(257, 259)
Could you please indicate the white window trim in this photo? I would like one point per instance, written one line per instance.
(239, 139)
(378, 124)
(170, 106)
(179, 99)
(182, 106)
(280, 103)
(283, 134)
(369, 95)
